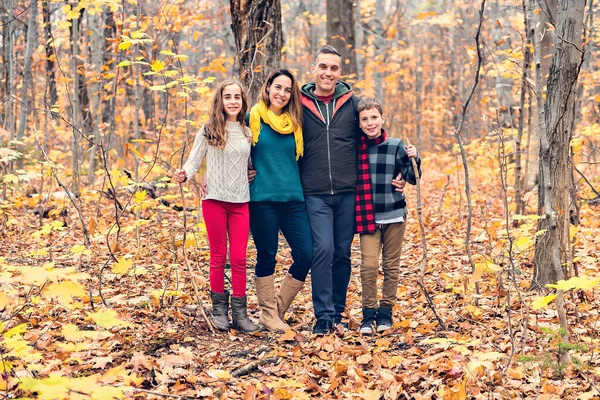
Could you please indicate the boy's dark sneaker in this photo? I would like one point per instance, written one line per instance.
(384, 319)
(322, 327)
(337, 320)
(369, 320)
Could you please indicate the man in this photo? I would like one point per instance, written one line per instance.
(328, 174)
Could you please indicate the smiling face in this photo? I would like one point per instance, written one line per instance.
(371, 122)
(326, 71)
(280, 92)
(232, 101)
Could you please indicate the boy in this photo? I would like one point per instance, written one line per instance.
(380, 212)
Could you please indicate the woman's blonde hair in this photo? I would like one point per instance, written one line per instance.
(294, 106)
(215, 129)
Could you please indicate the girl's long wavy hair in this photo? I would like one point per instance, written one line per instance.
(215, 129)
(294, 106)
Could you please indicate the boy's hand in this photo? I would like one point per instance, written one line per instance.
(179, 176)
(411, 150)
(399, 183)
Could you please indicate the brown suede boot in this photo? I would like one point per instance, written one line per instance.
(287, 293)
(239, 315)
(265, 293)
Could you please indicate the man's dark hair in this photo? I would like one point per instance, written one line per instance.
(327, 49)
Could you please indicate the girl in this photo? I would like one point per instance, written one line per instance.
(225, 142)
(276, 196)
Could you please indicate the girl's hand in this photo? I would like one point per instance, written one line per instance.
(411, 150)
(179, 176)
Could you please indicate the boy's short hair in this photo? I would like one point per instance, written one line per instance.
(327, 49)
(369, 103)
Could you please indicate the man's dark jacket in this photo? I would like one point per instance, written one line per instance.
(331, 135)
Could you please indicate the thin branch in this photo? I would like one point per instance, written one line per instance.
(586, 181)
(458, 136)
(86, 235)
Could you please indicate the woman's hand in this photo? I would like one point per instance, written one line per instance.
(179, 176)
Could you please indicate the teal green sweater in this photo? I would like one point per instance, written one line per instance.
(277, 175)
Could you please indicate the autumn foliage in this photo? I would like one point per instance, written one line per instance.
(97, 302)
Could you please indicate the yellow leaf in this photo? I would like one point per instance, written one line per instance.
(79, 249)
(122, 266)
(108, 319)
(218, 374)
(107, 393)
(158, 65)
(124, 45)
(64, 291)
(139, 196)
(10, 178)
(576, 282)
(17, 330)
(577, 144)
(53, 387)
(523, 243)
(71, 333)
(597, 97)
(4, 300)
(542, 302)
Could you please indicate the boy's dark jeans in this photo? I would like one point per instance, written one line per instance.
(266, 219)
(332, 224)
(390, 237)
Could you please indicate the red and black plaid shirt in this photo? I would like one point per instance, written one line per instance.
(365, 210)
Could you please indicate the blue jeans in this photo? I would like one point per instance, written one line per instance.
(266, 219)
(332, 224)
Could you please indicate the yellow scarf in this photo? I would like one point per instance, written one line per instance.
(280, 123)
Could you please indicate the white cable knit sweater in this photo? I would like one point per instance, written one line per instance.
(227, 169)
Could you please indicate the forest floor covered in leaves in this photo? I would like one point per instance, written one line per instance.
(76, 324)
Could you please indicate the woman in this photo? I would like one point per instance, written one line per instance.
(276, 196)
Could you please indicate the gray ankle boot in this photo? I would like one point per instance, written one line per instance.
(220, 310)
(239, 315)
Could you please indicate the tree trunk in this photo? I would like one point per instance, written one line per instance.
(110, 33)
(551, 248)
(519, 182)
(52, 94)
(503, 84)
(95, 25)
(26, 100)
(257, 28)
(9, 72)
(543, 20)
(380, 48)
(341, 34)
(76, 107)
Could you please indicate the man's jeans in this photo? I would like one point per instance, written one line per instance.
(332, 224)
(266, 219)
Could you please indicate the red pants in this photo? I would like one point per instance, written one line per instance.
(224, 220)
